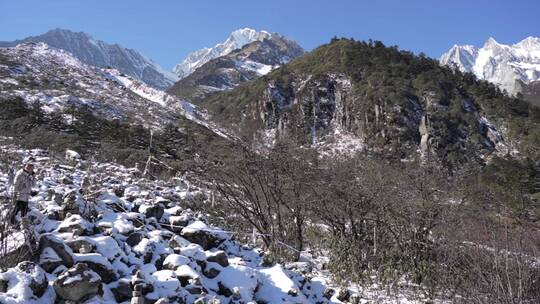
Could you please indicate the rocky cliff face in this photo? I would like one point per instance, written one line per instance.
(531, 92)
(330, 106)
(315, 110)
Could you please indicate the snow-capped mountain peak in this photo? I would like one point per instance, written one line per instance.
(236, 40)
(462, 56)
(528, 43)
(491, 42)
(242, 62)
(241, 37)
(505, 65)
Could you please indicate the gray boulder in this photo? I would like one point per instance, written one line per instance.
(62, 250)
(77, 225)
(204, 238)
(77, 283)
(82, 246)
(100, 265)
(135, 238)
(177, 223)
(122, 291)
(156, 211)
(219, 257)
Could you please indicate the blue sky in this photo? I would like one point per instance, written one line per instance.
(167, 30)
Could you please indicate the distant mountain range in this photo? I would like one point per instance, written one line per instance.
(99, 53)
(514, 68)
(234, 63)
(320, 91)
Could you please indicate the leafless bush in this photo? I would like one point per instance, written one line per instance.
(382, 221)
(491, 259)
(271, 193)
(16, 245)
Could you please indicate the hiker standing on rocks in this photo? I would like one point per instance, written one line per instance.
(22, 190)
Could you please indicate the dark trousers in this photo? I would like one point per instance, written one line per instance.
(20, 206)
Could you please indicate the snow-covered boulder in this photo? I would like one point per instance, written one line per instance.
(26, 282)
(166, 285)
(219, 257)
(277, 287)
(211, 270)
(98, 264)
(108, 247)
(199, 233)
(71, 203)
(49, 259)
(185, 274)
(82, 245)
(116, 222)
(177, 242)
(178, 222)
(173, 261)
(193, 251)
(135, 238)
(77, 283)
(77, 225)
(238, 280)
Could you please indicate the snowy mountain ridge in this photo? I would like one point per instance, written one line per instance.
(66, 81)
(236, 40)
(61, 80)
(505, 65)
(99, 53)
(240, 65)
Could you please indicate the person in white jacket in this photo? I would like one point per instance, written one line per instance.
(22, 190)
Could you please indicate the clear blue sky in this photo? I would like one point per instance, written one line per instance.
(167, 30)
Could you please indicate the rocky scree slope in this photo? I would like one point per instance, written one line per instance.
(124, 231)
(241, 65)
(101, 54)
(383, 100)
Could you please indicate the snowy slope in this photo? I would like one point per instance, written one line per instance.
(107, 239)
(124, 231)
(236, 40)
(102, 54)
(504, 65)
(37, 72)
(185, 108)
